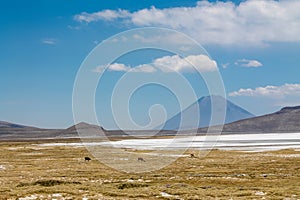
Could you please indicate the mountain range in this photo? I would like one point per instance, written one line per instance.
(285, 120)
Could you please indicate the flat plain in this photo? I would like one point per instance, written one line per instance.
(31, 171)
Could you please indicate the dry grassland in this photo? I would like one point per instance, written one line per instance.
(29, 171)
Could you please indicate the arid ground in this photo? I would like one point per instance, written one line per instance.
(29, 171)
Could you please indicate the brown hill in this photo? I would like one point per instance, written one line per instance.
(285, 120)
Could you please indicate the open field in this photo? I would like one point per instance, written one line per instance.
(29, 171)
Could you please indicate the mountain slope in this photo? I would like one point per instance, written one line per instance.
(16, 132)
(4, 124)
(10, 131)
(285, 120)
(203, 107)
(84, 129)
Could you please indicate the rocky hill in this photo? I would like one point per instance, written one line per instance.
(285, 120)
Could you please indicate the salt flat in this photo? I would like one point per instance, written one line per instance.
(242, 142)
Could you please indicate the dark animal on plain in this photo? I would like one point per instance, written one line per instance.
(192, 155)
(141, 159)
(87, 158)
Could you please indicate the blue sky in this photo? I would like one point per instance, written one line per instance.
(255, 44)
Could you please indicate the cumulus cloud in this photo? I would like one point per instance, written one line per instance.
(49, 41)
(251, 21)
(188, 64)
(168, 64)
(119, 67)
(248, 63)
(101, 15)
(270, 91)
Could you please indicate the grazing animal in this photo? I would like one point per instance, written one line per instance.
(87, 158)
(141, 159)
(192, 155)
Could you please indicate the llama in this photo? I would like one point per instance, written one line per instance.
(193, 156)
(87, 158)
(141, 159)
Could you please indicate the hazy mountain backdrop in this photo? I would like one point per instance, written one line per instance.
(285, 120)
(202, 110)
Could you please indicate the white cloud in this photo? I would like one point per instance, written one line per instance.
(167, 64)
(166, 38)
(190, 63)
(270, 91)
(49, 41)
(252, 21)
(144, 68)
(119, 67)
(248, 63)
(101, 15)
(225, 65)
(73, 27)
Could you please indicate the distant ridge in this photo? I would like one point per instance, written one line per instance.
(4, 124)
(285, 120)
(19, 132)
(290, 108)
